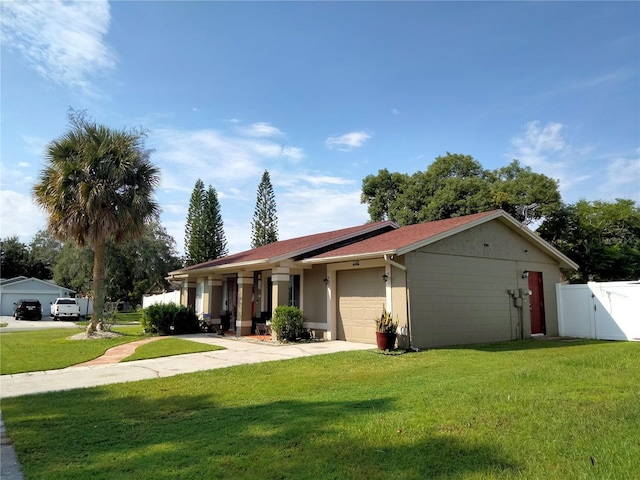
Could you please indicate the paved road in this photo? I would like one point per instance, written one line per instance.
(22, 325)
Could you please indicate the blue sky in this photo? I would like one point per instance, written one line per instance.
(322, 94)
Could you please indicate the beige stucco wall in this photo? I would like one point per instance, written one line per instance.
(398, 284)
(314, 297)
(459, 287)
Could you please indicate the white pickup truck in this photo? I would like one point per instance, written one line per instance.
(65, 308)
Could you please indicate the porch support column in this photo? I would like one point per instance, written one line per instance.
(215, 299)
(188, 294)
(245, 300)
(280, 288)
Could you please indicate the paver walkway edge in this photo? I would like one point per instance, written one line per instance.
(117, 353)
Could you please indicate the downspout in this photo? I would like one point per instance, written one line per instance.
(389, 259)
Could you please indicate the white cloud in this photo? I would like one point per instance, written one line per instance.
(35, 145)
(304, 210)
(19, 216)
(580, 170)
(214, 156)
(325, 180)
(395, 111)
(294, 153)
(63, 41)
(348, 141)
(545, 149)
(260, 129)
(537, 143)
(622, 179)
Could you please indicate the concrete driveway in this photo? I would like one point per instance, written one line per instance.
(22, 325)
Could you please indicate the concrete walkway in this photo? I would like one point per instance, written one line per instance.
(237, 352)
(103, 371)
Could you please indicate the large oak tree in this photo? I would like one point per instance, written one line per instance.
(455, 185)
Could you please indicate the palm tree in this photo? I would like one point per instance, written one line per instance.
(97, 185)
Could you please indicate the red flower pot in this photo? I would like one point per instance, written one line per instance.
(386, 341)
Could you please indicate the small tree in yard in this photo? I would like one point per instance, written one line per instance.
(97, 185)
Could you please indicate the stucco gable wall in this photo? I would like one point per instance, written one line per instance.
(490, 240)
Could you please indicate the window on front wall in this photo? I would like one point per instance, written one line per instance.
(294, 290)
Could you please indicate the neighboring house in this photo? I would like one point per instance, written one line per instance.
(18, 288)
(477, 278)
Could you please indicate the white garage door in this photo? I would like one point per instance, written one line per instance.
(361, 296)
(9, 300)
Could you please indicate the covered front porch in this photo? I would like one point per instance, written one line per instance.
(241, 302)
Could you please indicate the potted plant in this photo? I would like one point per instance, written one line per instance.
(386, 330)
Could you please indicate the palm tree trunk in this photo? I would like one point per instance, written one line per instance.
(99, 259)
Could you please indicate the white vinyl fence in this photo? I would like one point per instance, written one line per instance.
(167, 297)
(603, 311)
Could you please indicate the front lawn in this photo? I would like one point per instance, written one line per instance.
(531, 410)
(168, 347)
(51, 349)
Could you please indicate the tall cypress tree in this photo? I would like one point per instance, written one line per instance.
(264, 227)
(193, 233)
(215, 240)
(204, 231)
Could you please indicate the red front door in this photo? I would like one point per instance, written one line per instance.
(536, 303)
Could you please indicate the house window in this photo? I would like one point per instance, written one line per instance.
(199, 297)
(294, 290)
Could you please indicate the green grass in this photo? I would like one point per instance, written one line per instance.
(168, 347)
(530, 410)
(128, 317)
(51, 349)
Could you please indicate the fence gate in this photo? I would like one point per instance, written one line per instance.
(604, 311)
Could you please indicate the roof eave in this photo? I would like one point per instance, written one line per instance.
(326, 243)
(184, 273)
(349, 258)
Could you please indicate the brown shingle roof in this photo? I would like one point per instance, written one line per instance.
(405, 237)
(292, 247)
